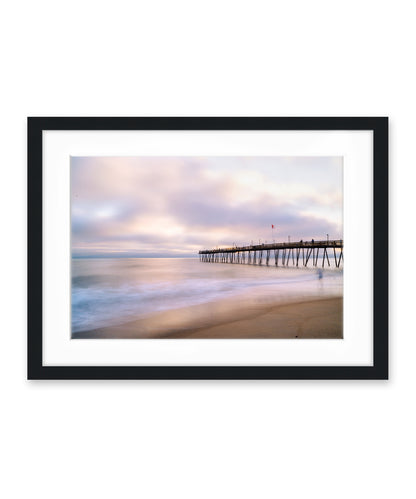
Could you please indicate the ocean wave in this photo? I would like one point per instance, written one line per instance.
(116, 291)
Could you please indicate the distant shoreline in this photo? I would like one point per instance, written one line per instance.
(234, 319)
(114, 257)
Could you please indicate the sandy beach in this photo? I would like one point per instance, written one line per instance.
(317, 318)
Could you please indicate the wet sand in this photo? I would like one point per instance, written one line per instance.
(319, 318)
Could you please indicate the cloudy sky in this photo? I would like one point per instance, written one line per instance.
(175, 206)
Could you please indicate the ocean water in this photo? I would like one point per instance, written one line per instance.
(109, 292)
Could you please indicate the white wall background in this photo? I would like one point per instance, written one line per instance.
(206, 439)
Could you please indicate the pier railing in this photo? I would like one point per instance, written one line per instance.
(300, 252)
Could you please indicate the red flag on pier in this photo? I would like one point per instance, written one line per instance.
(272, 226)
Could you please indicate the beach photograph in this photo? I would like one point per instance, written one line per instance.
(231, 247)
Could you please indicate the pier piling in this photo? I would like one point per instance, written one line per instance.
(260, 254)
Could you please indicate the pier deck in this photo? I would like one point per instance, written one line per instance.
(300, 252)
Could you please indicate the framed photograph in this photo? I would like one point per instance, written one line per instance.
(208, 248)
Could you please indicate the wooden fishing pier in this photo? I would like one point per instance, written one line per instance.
(290, 253)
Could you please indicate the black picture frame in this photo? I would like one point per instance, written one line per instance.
(379, 127)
